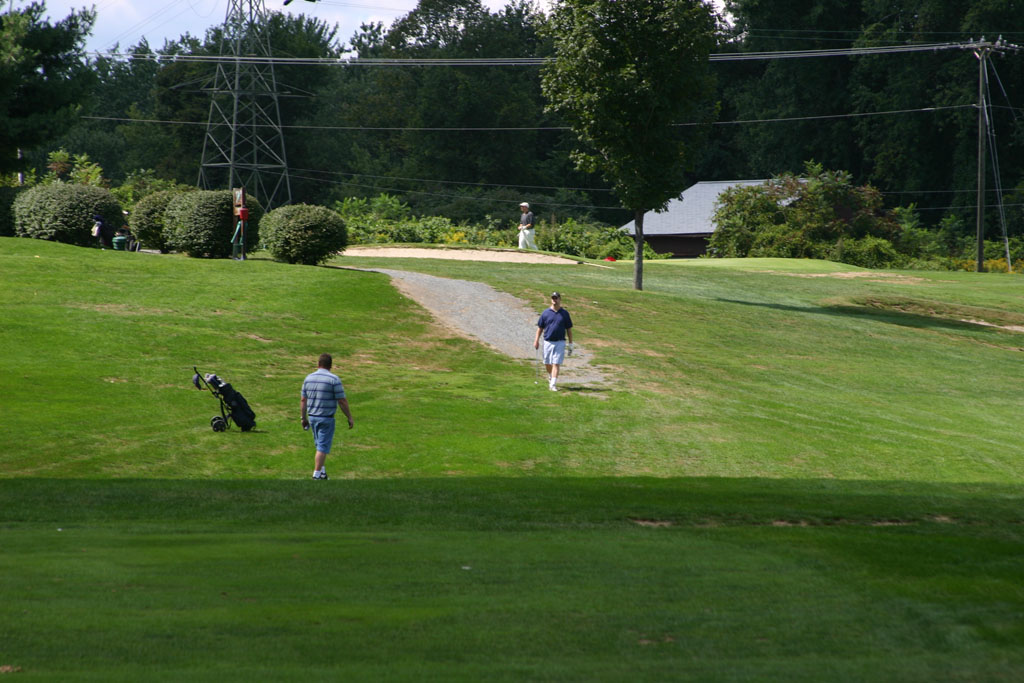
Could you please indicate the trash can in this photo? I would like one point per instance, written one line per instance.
(120, 243)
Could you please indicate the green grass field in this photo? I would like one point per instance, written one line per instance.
(798, 471)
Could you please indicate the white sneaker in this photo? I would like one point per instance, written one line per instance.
(552, 387)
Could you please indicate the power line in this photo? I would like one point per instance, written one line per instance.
(537, 61)
(453, 196)
(494, 129)
(837, 52)
(547, 203)
(977, 46)
(836, 116)
(455, 182)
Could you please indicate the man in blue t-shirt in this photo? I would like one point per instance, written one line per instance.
(556, 325)
(322, 395)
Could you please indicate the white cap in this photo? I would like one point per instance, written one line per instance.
(525, 204)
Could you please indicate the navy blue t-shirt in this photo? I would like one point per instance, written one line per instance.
(554, 324)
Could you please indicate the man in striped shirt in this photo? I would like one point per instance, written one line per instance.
(322, 395)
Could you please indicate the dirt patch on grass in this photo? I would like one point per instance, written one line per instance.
(1010, 321)
(984, 323)
(119, 309)
(652, 522)
(718, 522)
(895, 278)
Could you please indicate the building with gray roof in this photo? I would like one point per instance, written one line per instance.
(685, 226)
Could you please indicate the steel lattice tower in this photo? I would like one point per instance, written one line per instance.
(244, 145)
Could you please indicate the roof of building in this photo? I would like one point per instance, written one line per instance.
(690, 214)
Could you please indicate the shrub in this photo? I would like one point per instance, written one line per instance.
(819, 215)
(61, 212)
(147, 220)
(741, 214)
(385, 220)
(589, 240)
(867, 252)
(304, 234)
(142, 183)
(781, 241)
(376, 220)
(202, 223)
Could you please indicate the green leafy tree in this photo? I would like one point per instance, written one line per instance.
(624, 76)
(123, 90)
(821, 214)
(491, 144)
(142, 183)
(43, 77)
(792, 88)
(77, 169)
(926, 153)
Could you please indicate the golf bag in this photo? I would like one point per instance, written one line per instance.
(233, 406)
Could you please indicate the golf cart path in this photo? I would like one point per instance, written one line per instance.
(479, 312)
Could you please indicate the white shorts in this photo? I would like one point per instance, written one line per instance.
(554, 352)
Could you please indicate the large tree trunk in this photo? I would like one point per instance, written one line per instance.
(638, 252)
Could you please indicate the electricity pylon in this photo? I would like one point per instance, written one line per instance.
(244, 144)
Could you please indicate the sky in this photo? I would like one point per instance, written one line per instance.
(126, 22)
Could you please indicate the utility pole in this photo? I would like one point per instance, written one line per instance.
(982, 52)
(244, 144)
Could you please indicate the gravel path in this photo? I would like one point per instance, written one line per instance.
(480, 312)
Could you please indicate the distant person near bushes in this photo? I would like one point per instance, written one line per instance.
(526, 230)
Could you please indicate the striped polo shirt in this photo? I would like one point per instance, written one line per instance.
(322, 390)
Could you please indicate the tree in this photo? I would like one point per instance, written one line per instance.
(625, 76)
(923, 150)
(488, 136)
(122, 89)
(43, 77)
(820, 215)
(793, 88)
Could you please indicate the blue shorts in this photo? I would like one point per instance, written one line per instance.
(554, 352)
(323, 432)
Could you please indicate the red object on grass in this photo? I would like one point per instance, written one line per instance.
(608, 258)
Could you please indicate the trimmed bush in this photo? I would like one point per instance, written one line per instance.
(304, 234)
(202, 223)
(62, 212)
(147, 219)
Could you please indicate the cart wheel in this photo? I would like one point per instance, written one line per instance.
(218, 423)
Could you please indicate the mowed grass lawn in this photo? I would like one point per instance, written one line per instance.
(796, 471)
